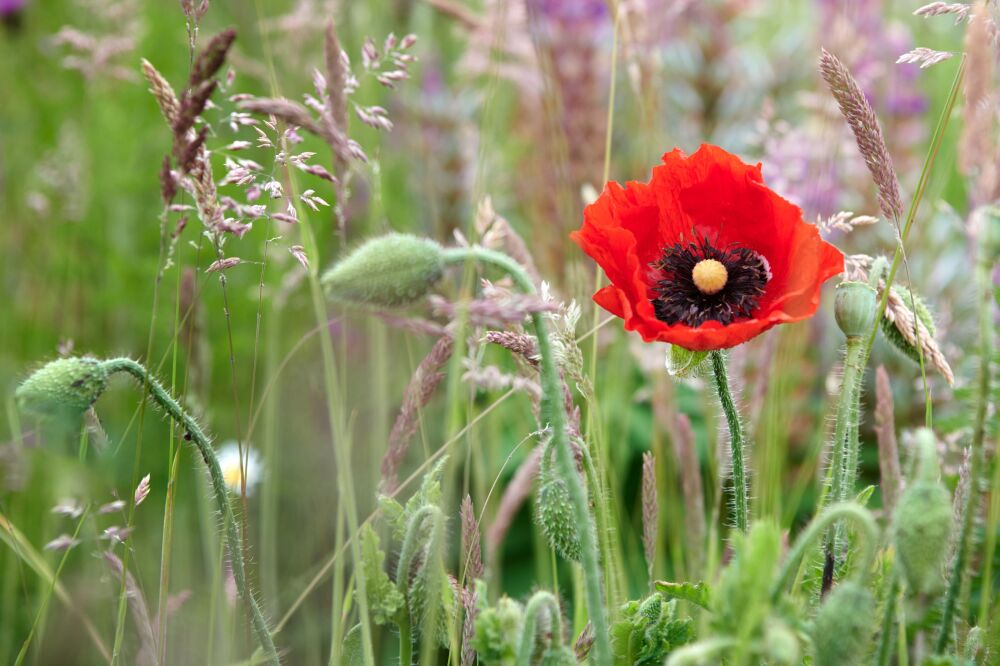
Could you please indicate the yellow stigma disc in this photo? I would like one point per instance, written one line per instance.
(709, 276)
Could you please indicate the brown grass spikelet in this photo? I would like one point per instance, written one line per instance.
(162, 91)
(976, 154)
(858, 112)
(472, 554)
(418, 393)
(898, 312)
(650, 512)
(885, 433)
(336, 78)
(212, 57)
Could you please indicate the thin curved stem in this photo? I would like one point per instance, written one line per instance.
(540, 601)
(740, 486)
(553, 413)
(161, 397)
(815, 529)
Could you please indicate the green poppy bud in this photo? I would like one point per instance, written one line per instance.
(66, 387)
(855, 308)
(922, 525)
(388, 271)
(892, 334)
(843, 627)
(554, 510)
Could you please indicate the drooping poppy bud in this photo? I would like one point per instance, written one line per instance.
(66, 387)
(922, 522)
(389, 271)
(844, 625)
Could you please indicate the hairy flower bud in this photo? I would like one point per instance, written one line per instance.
(922, 522)
(66, 387)
(855, 308)
(843, 626)
(554, 510)
(388, 271)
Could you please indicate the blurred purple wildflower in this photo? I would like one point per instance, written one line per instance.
(11, 7)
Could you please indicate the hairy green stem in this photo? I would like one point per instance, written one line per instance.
(540, 601)
(808, 537)
(888, 620)
(844, 458)
(740, 486)
(161, 397)
(554, 414)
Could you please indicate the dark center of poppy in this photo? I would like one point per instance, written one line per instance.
(698, 282)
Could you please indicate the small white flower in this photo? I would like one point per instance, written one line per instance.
(229, 461)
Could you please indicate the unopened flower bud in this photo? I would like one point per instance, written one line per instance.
(922, 522)
(66, 387)
(554, 510)
(854, 308)
(843, 626)
(388, 271)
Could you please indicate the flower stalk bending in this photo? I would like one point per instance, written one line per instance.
(67, 387)
(554, 415)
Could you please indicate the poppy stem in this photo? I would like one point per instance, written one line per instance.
(554, 414)
(740, 486)
(161, 397)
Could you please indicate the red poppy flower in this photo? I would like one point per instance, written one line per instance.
(704, 255)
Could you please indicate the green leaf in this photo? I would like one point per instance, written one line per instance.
(353, 653)
(697, 593)
(384, 598)
(864, 496)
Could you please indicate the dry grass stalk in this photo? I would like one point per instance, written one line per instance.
(845, 221)
(472, 554)
(915, 333)
(137, 607)
(650, 512)
(691, 487)
(497, 233)
(924, 57)
(888, 450)
(418, 393)
(858, 112)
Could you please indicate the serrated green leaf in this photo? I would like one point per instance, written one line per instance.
(697, 593)
(384, 598)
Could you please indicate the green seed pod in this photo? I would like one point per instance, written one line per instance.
(893, 335)
(854, 308)
(66, 387)
(843, 627)
(554, 510)
(922, 525)
(388, 271)
(498, 630)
